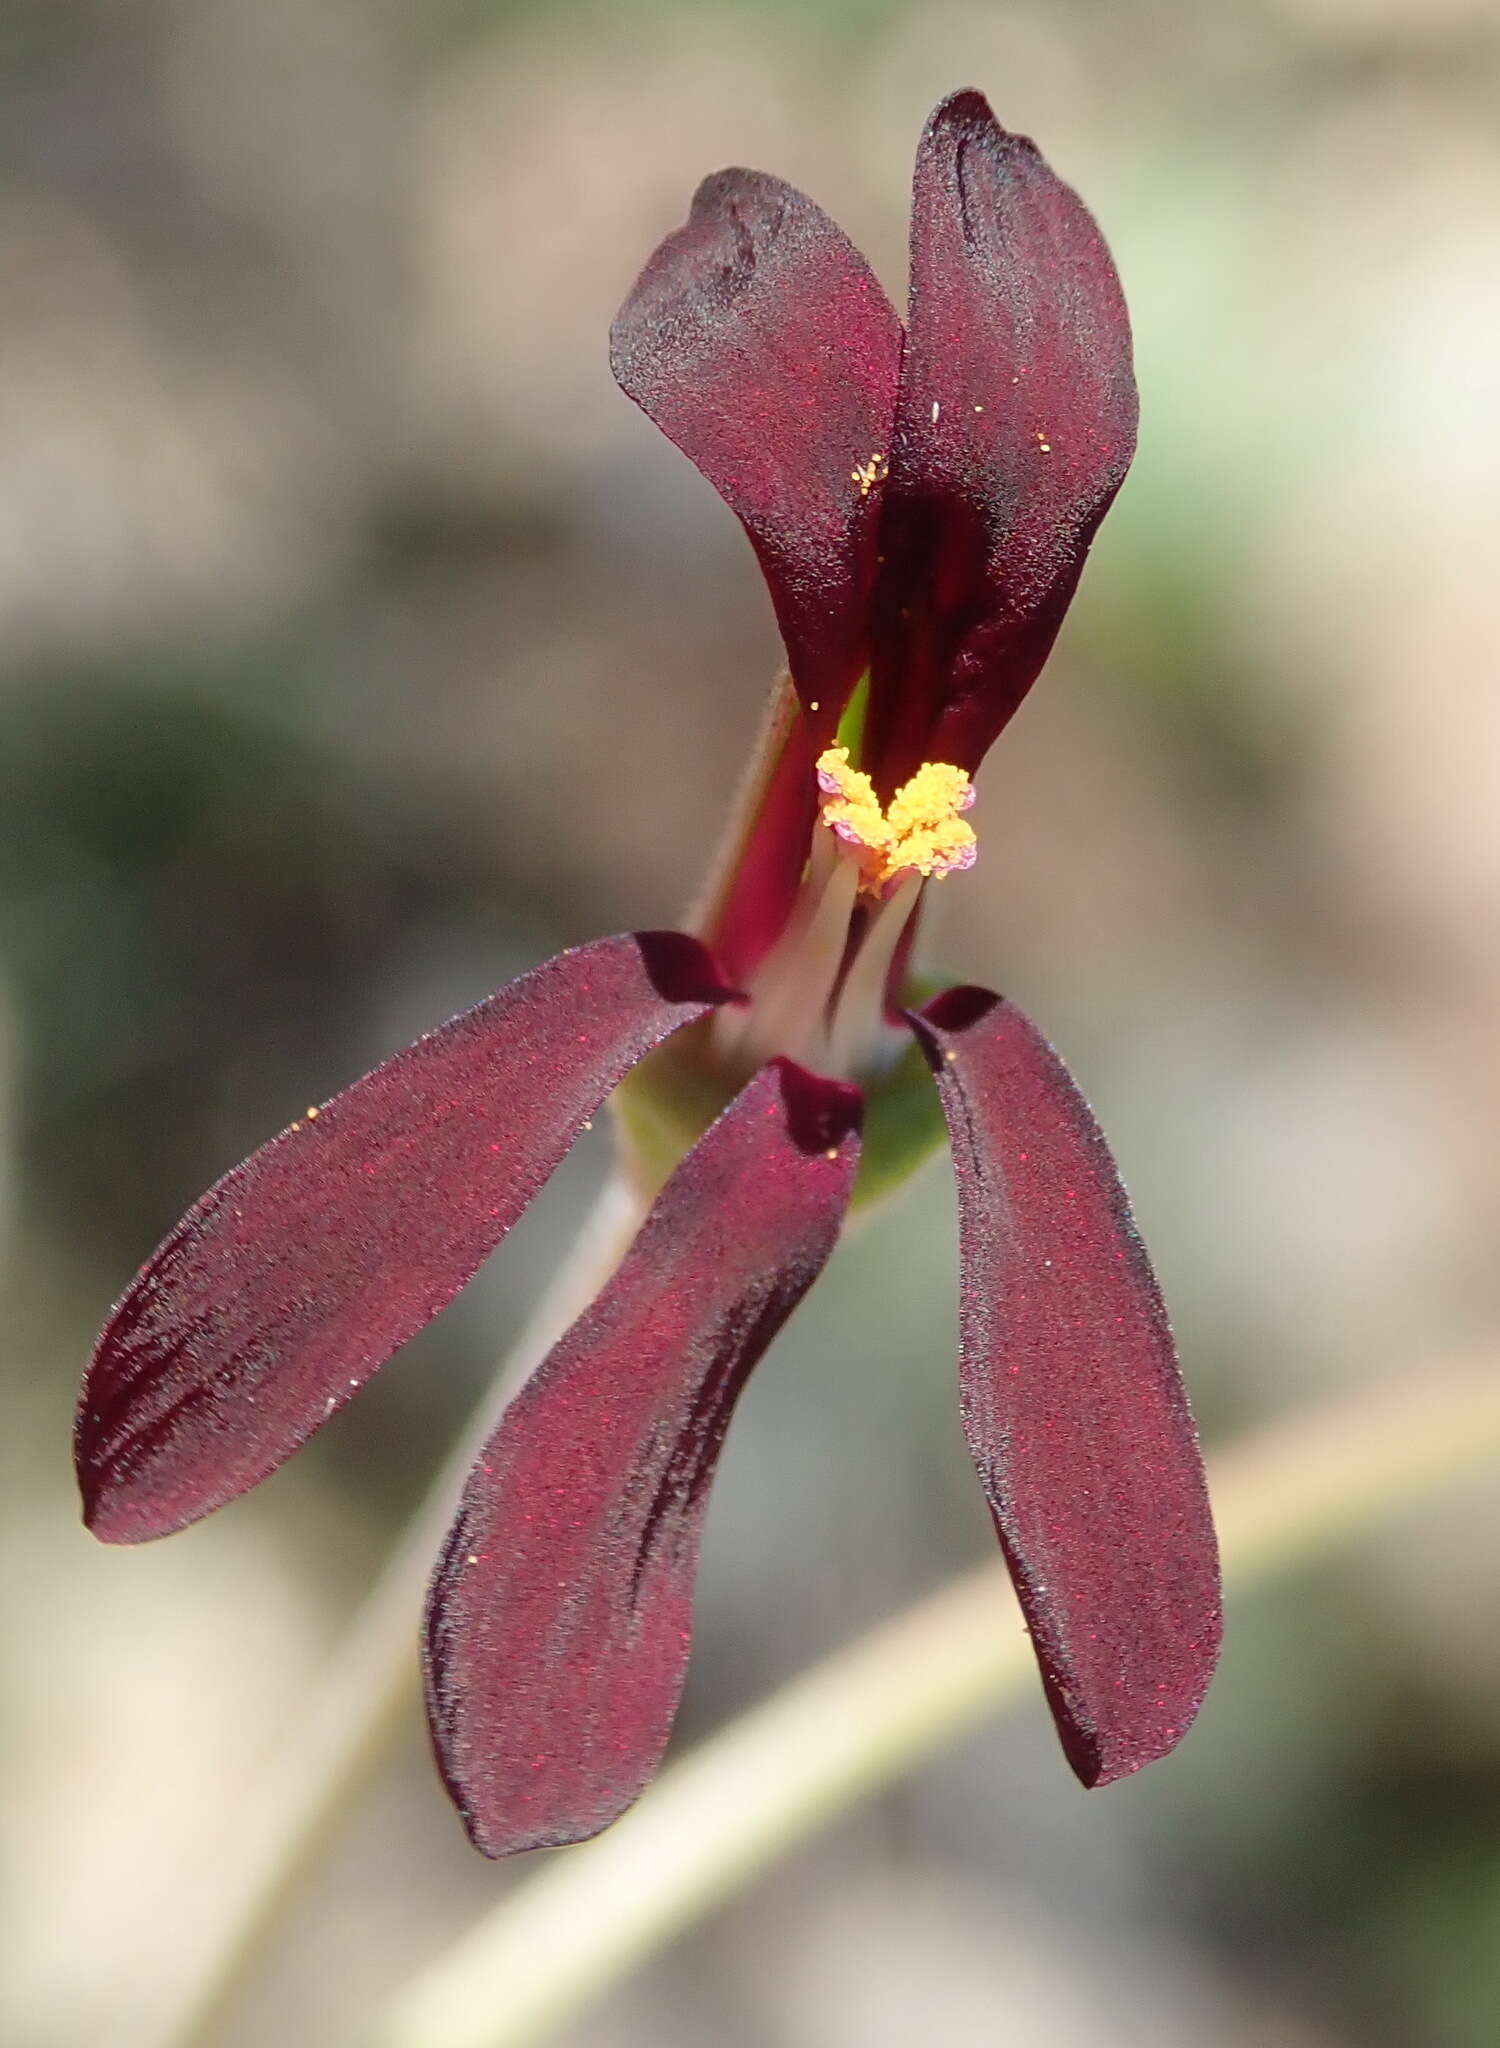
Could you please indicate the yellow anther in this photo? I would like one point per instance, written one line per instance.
(920, 832)
(850, 805)
(933, 797)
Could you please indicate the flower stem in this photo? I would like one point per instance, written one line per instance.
(221, 1936)
(857, 1722)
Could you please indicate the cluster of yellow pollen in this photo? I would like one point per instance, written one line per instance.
(919, 833)
(868, 474)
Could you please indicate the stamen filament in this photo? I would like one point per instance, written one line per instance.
(855, 1026)
(790, 989)
(865, 856)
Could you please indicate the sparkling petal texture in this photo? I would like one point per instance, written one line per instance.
(759, 341)
(1072, 1403)
(285, 1287)
(1014, 428)
(559, 1617)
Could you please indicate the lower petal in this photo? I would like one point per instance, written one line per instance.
(1073, 1406)
(559, 1617)
(286, 1286)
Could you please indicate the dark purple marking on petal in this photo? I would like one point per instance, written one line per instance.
(559, 1618)
(759, 341)
(285, 1287)
(1014, 429)
(1072, 1402)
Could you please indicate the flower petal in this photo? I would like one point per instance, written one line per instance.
(759, 341)
(1072, 1403)
(559, 1617)
(1014, 428)
(285, 1287)
(764, 855)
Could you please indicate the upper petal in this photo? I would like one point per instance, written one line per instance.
(1072, 1402)
(307, 1266)
(1014, 428)
(559, 1616)
(759, 341)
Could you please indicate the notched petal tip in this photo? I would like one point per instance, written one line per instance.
(1073, 1406)
(560, 1614)
(739, 193)
(681, 969)
(821, 1114)
(966, 107)
(759, 341)
(956, 1009)
(103, 1514)
(966, 118)
(297, 1276)
(1105, 1750)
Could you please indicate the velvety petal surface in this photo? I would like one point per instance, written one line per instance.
(766, 853)
(1072, 1402)
(285, 1287)
(759, 341)
(560, 1614)
(1014, 428)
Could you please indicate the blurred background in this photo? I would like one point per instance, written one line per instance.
(360, 645)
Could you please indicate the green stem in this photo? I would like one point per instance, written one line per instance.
(222, 1934)
(860, 1720)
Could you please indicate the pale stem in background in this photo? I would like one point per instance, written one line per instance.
(857, 1722)
(221, 1930)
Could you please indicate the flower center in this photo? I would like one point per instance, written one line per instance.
(819, 996)
(919, 833)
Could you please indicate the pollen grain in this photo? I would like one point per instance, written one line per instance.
(868, 474)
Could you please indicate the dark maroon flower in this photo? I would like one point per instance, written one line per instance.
(921, 503)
